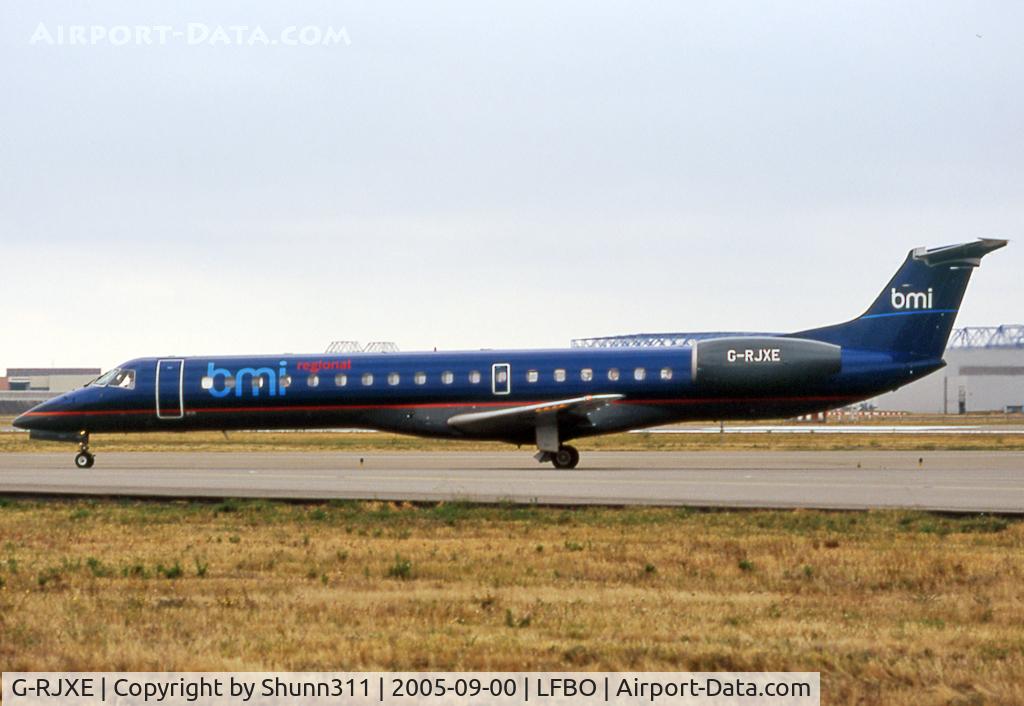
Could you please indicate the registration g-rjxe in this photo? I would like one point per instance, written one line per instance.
(64, 686)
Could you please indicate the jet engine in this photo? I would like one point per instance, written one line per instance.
(752, 364)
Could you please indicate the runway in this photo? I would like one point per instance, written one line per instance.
(957, 481)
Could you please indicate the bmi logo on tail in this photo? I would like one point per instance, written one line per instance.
(911, 300)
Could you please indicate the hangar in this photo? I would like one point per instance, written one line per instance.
(984, 373)
(24, 388)
(47, 379)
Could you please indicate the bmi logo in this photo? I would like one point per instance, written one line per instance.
(252, 378)
(911, 300)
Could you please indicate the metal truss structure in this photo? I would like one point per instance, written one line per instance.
(1005, 336)
(641, 340)
(354, 347)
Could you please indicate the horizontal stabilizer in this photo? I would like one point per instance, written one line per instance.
(914, 313)
(964, 254)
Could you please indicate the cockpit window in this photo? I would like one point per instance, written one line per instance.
(104, 379)
(125, 379)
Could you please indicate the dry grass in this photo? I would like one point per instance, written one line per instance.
(971, 418)
(891, 607)
(821, 440)
(368, 441)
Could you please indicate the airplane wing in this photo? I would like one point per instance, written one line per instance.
(531, 416)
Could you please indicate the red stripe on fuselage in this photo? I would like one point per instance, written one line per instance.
(443, 405)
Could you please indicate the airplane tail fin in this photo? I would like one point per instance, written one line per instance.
(914, 314)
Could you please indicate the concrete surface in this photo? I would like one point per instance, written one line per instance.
(962, 481)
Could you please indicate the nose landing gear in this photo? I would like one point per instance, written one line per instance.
(84, 459)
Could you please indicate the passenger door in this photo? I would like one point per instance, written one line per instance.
(170, 397)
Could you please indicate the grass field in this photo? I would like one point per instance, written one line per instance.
(891, 607)
(369, 442)
(822, 439)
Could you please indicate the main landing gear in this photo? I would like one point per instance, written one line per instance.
(550, 447)
(566, 457)
(84, 459)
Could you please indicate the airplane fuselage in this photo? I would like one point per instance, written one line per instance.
(542, 397)
(417, 393)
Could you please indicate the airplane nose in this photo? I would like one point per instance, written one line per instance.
(46, 419)
(38, 417)
(23, 422)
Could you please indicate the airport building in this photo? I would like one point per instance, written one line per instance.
(49, 379)
(24, 388)
(984, 371)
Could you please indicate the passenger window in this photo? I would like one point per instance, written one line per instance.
(125, 379)
(207, 382)
(367, 379)
(258, 381)
(286, 381)
(474, 376)
(666, 373)
(447, 377)
(559, 374)
(312, 381)
(587, 374)
(532, 376)
(393, 378)
(419, 378)
(613, 374)
(340, 380)
(639, 374)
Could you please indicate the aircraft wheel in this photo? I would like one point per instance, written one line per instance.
(565, 457)
(84, 460)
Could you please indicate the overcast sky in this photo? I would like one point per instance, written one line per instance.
(467, 174)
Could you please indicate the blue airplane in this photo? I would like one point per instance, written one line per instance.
(537, 397)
